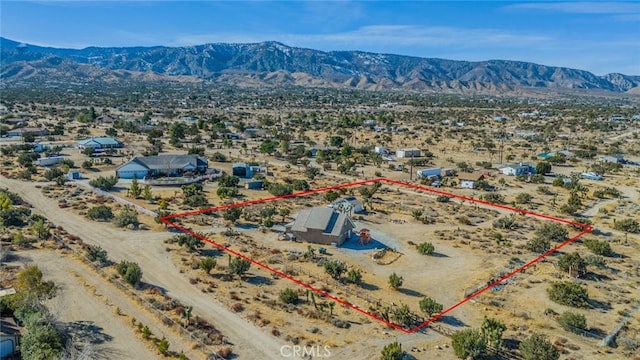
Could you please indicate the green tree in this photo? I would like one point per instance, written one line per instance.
(469, 343)
(163, 346)
(146, 193)
(335, 268)
(5, 201)
(537, 347)
(135, 191)
(276, 189)
(392, 351)
(573, 322)
(30, 287)
(190, 242)
(40, 342)
(40, 229)
(543, 167)
(355, 276)
(238, 266)
(227, 192)
(228, 181)
(492, 330)
(430, 307)
(232, 214)
(207, 264)
(402, 315)
(568, 293)
(331, 196)
(289, 296)
(395, 281)
(572, 263)
(284, 212)
(130, 272)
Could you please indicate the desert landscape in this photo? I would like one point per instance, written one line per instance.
(440, 249)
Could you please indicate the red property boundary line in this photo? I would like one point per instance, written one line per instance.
(585, 229)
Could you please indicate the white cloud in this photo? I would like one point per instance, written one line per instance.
(381, 36)
(581, 7)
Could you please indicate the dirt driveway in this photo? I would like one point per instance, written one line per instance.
(90, 316)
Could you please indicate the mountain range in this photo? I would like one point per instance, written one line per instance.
(275, 64)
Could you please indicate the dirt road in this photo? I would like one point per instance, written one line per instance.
(90, 316)
(147, 249)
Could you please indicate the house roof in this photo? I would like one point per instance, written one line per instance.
(166, 162)
(475, 176)
(350, 199)
(102, 141)
(520, 165)
(321, 218)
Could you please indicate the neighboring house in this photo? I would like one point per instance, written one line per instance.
(369, 122)
(618, 159)
(40, 147)
(9, 337)
(381, 150)
(254, 185)
(469, 180)
(355, 204)
(100, 143)
(161, 165)
(500, 118)
(241, 170)
(321, 225)
(19, 132)
(245, 171)
(253, 133)
(48, 161)
(591, 176)
(105, 119)
(519, 169)
(407, 153)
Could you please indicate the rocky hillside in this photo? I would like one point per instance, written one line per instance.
(272, 63)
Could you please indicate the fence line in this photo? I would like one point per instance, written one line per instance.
(118, 199)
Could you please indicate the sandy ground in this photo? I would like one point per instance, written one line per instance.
(86, 305)
(147, 248)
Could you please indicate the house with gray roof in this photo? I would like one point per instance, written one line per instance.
(101, 142)
(321, 225)
(145, 167)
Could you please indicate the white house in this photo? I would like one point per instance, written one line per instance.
(469, 180)
(407, 153)
(381, 150)
(519, 169)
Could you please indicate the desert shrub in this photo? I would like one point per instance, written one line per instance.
(126, 217)
(426, 248)
(627, 225)
(443, 198)
(538, 245)
(335, 268)
(395, 281)
(130, 272)
(100, 213)
(573, 322)
(469, 343)
(289, 296)
(568, 293)
(392, 351)
(537, 347)
(104, 183)
(97, 254)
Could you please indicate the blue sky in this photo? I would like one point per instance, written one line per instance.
(601, 37)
